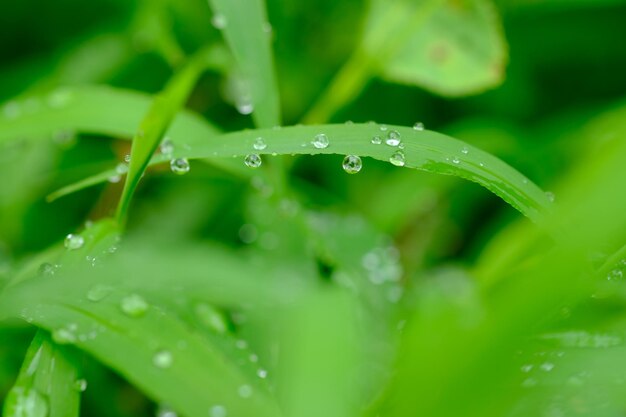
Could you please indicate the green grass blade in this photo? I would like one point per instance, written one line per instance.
(155, 124)
(47, 384)
(424, 150)
(246, 30)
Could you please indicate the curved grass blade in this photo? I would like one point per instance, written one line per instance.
(423, 150)
(248, 34)
(155, 124)
(47, 384)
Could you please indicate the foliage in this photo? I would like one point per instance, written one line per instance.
(267, 281)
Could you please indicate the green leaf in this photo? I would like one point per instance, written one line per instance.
(424, 150)
(154, 125)
(47, 384)
(456, 48)
(247, 32)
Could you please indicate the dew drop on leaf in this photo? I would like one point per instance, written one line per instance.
(245, 391)
(163, 359)
(352, 164)
(377, 140)
(393, 138)
(180, 166)
(25, 402)
(253, 160)
(219, 21)
(418, 126)
(218, 411)
(320, 141)
(80, 385)
(134, 305)
(167, 147)
(73, 241)
(98, 292)
(397, 159)
(259, 144)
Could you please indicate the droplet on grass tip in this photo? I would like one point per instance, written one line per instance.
(259, 144)
(134, 305)
(180, 166)
(393, 138)
(352, 164)
(397, 159)
(253, 160)
(320, 141)
(163, 359)
(73, 242)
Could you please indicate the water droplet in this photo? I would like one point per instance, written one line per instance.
(99, 292)
(121, 168)
(245, 391)
(615, 275)
(393, 138)
(167, 147)
(529, 383)
(241, 344)
(397, 159)
(418, 126)
(211, 318)
(352, 164)
(527, 368)
(245, 107)
(73, 242)
(547, 366)
(165, 411)
(219, 21)
(456, 160)
(80, 385)
(254, 358)
(46, 269)
(262, 373)
(465, 150)
(134, 305)
(551, 197)
(267, 28)
(259, 144)
(64, 335)
(163, 359)
(180, 166)
(383, 128)
(22, 401)
(253, 160)
(320, 141)
(114, 179)
(377, 140)
(349, 122)
(218, 411)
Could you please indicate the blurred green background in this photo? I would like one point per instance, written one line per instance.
(566, 66)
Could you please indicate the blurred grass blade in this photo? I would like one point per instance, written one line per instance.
(247, 31)
(47, 384)
(322, 354)
(155, 124)
(424, 150)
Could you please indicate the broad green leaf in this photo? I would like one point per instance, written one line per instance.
(47, 385)
(248, 34)
(453, 48)
(423, 150)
